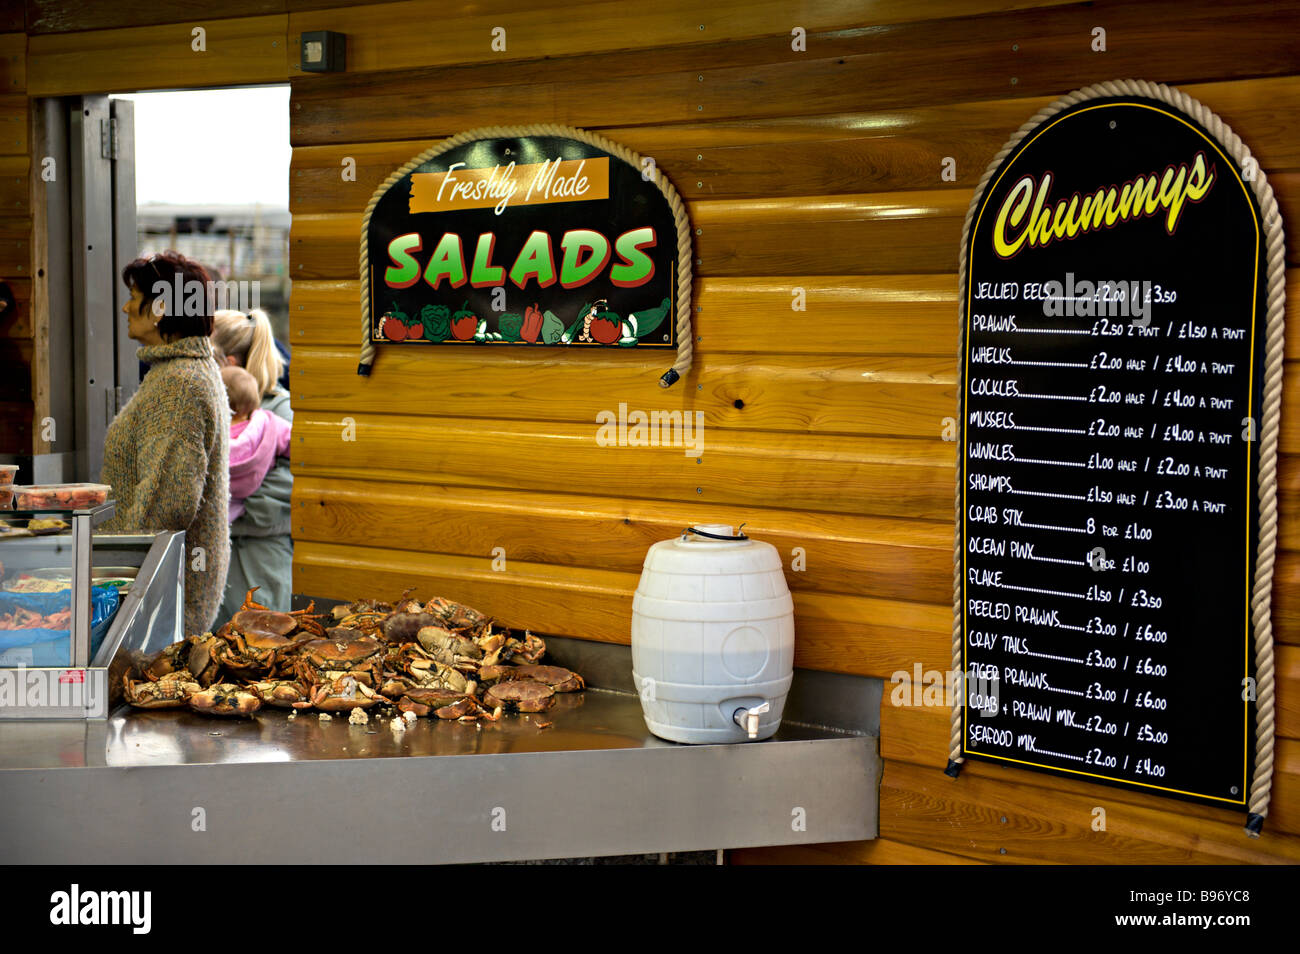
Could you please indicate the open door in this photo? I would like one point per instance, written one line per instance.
(90, 224)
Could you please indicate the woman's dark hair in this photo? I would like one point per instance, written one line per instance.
(145, 273)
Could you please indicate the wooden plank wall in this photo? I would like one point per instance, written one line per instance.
(817, 170)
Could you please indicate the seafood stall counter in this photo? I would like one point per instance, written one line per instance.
(583, 778)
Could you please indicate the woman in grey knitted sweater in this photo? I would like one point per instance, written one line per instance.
(167, 452)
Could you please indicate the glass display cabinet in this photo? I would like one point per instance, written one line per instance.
(76, 605)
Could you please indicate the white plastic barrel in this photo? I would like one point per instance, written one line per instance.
(712, 633)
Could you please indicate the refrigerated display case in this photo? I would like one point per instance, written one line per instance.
(76, 606)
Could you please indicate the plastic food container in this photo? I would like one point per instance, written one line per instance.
(118, 577)
(7, 472)
(49, 580)
(46, 645)
(6, 498)
(60, 496)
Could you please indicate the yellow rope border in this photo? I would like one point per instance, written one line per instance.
(1275, 257)
(685, 341)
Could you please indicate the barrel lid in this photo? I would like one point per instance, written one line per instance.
(714, 533)
(712, 549)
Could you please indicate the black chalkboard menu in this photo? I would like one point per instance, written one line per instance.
(1111, 371)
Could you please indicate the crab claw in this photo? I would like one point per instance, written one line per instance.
(409, 705)
(249, 602)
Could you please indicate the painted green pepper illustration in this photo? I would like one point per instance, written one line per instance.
(552, 328)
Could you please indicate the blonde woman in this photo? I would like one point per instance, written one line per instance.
(261, 548)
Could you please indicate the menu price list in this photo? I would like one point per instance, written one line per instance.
(1107, 537)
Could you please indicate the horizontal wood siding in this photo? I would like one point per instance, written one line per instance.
(813, 173)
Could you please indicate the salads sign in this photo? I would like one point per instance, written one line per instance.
(537, 240)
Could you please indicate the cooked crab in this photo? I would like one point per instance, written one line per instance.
(431, 674)
(256, 654)
(168, 659)
(410, 665)
(225, 699)
(528, 650)
(337, 691)
(457, 616)
(403, 627)
(361, 656)
(491, 642)
(368, 623)
(168, 691)
(253, 618)
(557, 677)
(423, 701)
(520, 695)
(446, 705)
(282, 693)
(396, 685)
(449, 648)
(365, 615)
(397, 659)
(500, 648)
(204, 661)
(491, 675)
(467, 709)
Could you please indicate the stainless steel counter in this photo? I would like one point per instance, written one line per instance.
(171, 786)
(167, 786)
(582, 721)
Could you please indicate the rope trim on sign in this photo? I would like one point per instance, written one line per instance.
(685, 342)
(1261, 783)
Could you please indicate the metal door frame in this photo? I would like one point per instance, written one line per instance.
(90, 221)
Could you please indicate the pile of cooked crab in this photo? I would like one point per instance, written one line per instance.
(439, 658)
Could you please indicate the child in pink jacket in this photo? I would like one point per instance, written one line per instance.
(257, 437)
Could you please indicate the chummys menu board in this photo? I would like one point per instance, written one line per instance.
(1111, 372)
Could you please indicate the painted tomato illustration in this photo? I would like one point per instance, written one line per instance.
(415, 331)
(605, 328)
(464, 323)
(392, 329)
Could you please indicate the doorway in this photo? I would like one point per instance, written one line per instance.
(203, 172)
